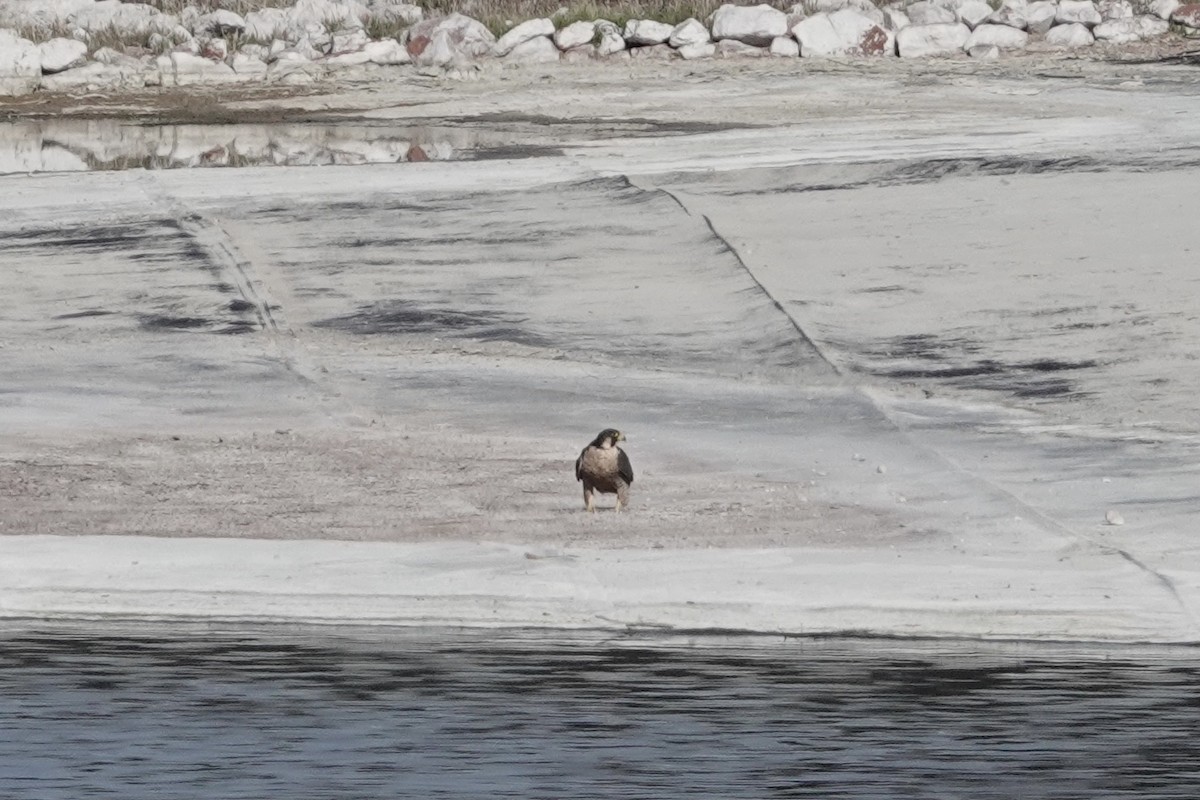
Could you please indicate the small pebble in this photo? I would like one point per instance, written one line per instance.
(1113, 517)
(881, 469)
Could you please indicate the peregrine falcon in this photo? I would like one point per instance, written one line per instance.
(604, 467)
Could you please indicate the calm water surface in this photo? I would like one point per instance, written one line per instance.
(197, 712)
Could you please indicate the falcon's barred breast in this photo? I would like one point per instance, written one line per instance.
(604, 467)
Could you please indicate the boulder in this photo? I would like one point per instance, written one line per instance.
(395, 12)
(972, 12)
(938, 39)
(61, 54)
(185, 69)
(894, 18)
(1000, 36)
(691, 52)
(690, 31)
(1164, 8)
(864, 7)
(1082, 11)
(20, 65)
(732, 48)
(1187, 15)
(350, 41)
(817, 36)
(646, 32)
(1013, 13)
(926, 12)
(526, 31)
(218, 23)
(1130, 29)
(860, 35)
(753, 25)
(438, 41)
(330, 15)
(387, 52)
(266, 24)
(577, 34)
(1115, 9)
(95, 76)
(538, 50)
(611, 41)
(244, 64)
(1070, 36)
(1039, 16)
(784, 47)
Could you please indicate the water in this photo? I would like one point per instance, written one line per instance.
(201, 713)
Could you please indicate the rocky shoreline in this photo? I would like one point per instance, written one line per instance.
(95, 45)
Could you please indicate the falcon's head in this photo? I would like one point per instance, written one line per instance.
(608, 438)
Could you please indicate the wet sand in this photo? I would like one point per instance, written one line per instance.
(887, 344)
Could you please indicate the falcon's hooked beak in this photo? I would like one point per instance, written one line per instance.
(620, 437)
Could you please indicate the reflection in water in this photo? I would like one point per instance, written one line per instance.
(76, 145)
(418, 715)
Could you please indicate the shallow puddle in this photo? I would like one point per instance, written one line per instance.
(84, 145)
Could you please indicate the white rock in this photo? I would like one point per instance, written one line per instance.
(972, 12)
(439, 41)
(540, 50)
(106, 55)
(60, 54)
(216, 49)
(690, 31)
(646, 32)
(925, 12)
(1081, 11)
(577, 34)
(1115, 9)
(817, 37)
(579, 54)
(249, 65)
(526, 31)
(861, 35)
(350, 41)
(610, 39)
(95, 76)
(1164, 8)
(1011, 13)
(185, 69)
(895, 18)
(1151, 25)
(939, 39)
(396, 11)
(1070, 36)
(294, 72)
(1039, 16)
(691, 52)
(1001, 36)
(387, 52)
(784, 47)
(1130, 29)
(20, 65)
(266, 24)
(307, 15)
(754, 25)
(732, 48)
(1113, 517)
(218, 23)
(864, 7)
